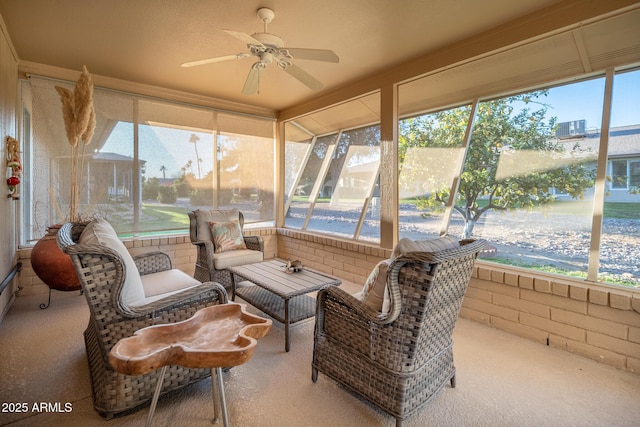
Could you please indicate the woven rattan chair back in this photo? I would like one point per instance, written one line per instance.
(101, 272)
(400, 359)
(205, 268)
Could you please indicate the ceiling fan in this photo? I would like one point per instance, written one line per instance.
(270, 48)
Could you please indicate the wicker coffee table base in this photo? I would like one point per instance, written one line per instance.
(286, 311)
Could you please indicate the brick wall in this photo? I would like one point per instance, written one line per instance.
(348, 260)
(598, 322)
(179, 248)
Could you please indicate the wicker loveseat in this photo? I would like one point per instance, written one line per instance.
(103, 274)
(211, 265)
(398, 359)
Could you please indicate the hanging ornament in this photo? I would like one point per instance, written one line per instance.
(14, 167)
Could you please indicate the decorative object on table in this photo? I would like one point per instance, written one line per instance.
(14, 167)
(50, 264)
(220, 336)
(293, 266)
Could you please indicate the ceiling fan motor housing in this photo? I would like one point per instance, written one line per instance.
(268, 39)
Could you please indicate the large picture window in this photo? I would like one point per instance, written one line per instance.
(528, 179)
(148, 164)
(528, 182)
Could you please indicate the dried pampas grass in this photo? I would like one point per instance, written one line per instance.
(83, 97)
(79, 122)
(68, 114)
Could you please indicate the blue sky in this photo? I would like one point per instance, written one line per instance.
(584, 100)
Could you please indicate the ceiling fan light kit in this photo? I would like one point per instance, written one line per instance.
(270, 48)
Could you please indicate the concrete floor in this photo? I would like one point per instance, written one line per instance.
(502, 380)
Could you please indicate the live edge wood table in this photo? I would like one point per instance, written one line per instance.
(280, 294)
(215, 337)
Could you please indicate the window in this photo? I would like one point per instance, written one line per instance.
(618, 263)
(148, 164)
(527, 186)
(619, 174)
(429, 155)
(332, 177)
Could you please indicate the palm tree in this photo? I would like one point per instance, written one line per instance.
(163, 169)
(194, 139)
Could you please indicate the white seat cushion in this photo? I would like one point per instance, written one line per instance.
(184, 280)
(228, 259)
(166, 281)
(100, 232)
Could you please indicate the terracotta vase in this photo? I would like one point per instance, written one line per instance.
(53, 266)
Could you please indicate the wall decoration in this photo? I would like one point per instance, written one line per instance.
(14, 167)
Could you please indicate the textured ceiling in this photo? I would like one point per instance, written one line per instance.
(145, 41)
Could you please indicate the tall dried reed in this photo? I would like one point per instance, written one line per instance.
(79, 122)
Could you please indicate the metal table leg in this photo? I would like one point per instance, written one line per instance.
(219, 400)
(286, 325)
(156, 394)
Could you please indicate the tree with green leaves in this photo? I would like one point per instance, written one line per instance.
(513, 161)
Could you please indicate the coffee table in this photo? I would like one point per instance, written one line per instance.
(279, 294)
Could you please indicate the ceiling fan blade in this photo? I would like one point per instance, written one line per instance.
(253, 80)
(313, 54)
(218, 59)
(304, 77)
(244, 37)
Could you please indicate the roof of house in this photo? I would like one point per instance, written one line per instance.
(624, 141)
(113, 158)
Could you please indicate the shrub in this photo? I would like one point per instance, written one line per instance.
(150, 189)
(201, 197)
(167, 194)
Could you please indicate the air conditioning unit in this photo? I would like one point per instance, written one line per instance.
(574, 129)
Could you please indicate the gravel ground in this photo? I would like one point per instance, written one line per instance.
(557, 240)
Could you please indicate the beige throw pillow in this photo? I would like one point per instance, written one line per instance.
(203, 218)
(442, 243)
(375, 292)
(227, 236)
(100, 232)
(375, 288)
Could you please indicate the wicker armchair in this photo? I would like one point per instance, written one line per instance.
(102, 274)
(400, 359)
(212, 266)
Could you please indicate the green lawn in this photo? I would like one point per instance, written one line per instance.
(165, 218)
(606, 278)
(171, 216)
(622, 210)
